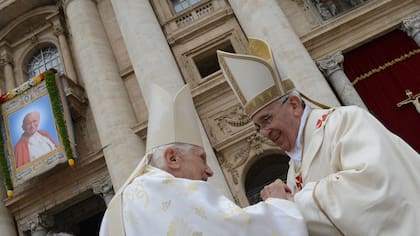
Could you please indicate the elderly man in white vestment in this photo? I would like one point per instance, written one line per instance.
(167, 194)
(348, 173)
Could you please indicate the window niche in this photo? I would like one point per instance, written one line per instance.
(207, 62)
(328, 9)
(264, 171)
(43, 59)
(181, 5)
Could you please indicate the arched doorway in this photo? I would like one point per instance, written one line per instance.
(264, 171)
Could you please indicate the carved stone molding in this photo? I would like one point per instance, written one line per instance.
(104, 188)
(37, 222)
(5, 58)
(411, 25)
(58, 30)
(331, 63)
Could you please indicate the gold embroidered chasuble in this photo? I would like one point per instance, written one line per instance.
(358, 177)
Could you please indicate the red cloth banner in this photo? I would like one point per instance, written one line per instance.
(382, 70)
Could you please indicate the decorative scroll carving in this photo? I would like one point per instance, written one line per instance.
(234, 117)
(328, 9)
(37, 222)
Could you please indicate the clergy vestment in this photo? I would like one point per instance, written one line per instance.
(29, 148)
(358, 178)
(157, 203)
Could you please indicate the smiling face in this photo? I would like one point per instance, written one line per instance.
(30, 123)
(280, 122)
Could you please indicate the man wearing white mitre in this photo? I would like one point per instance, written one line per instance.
(348, 173)
(167, 194)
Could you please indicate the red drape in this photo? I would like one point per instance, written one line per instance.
(383, 90)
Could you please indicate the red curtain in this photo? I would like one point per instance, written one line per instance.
(381, 91)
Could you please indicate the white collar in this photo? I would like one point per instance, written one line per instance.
(296, 153)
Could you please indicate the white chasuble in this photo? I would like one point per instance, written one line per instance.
(157, 203)
(358, 178)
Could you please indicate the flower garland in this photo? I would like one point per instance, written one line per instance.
(49, 77)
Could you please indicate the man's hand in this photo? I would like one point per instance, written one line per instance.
(277, 189)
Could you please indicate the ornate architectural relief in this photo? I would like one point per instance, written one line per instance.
(328, 9)
(231, 119)
(331, 63)
(411, 25)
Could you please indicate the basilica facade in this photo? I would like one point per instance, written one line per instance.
(106, 50)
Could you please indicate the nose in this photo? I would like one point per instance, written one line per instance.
(209, 171)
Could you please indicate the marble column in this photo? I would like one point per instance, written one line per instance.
(152, 60)
(332, 67)
(107, 95)
(411, 26)
(104, 189)
(7, 61)
(265, 19)
(64, 49)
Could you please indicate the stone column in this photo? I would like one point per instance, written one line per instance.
(38, 224)
(411, 26)
(152, 60)
(7, 61)
(7, 226)
(64, 49)
(107, 95)
(265, 19)
(332, 67)
(104, 189)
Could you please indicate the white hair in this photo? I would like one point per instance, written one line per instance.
(158, 159)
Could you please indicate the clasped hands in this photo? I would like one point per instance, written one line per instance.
(277, 189)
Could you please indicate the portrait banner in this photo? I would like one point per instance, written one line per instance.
(37, 133)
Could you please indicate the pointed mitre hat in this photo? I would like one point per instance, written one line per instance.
(172, 119)
(254, 78)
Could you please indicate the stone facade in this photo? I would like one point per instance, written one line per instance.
(109, 47)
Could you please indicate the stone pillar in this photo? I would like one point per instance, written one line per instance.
(64, 49)
(411, 26)
(7, 226)
(332, 67)
(7, 61)
(265, 19)
(152, 60)
(107, 95)
(38, 224)
(104, 189)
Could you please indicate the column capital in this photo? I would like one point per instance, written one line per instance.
(37, 222)
(5, 57)
(331, 63)
(411, 25)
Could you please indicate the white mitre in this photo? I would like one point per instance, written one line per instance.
(254, 77)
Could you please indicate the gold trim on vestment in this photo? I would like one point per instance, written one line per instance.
(385, 66)
(322, 210)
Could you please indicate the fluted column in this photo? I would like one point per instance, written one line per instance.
(411, 26)
(104, 189)
(64, 49)
(332, 67)
(265, 19)
(107, 95)
(7, 61)
(152, 59)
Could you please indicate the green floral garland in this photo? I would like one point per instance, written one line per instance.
(49, 77)
(58, 113)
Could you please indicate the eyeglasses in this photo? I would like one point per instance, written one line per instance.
(266, 120)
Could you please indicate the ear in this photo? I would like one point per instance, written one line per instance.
(296, 104)
(171, 158)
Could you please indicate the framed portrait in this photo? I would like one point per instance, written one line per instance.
(32, 120)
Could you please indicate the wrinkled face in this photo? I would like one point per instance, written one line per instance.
(30, 123)
(194, 165)
(280, 122)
